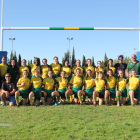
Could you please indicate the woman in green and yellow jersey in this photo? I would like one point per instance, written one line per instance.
(89, 84)
(121, 87)
(110, 66)
(56, 67)
(13, 70)
(24, 67)
(61, 83)
(3, 68)
(37, 91)
(45, 68)
(49, 86)
(133, 89)
(110, 87)
(100, 88)
(78, 66)
(99, 68)
(67, 69)
(89, 67)
(76, 84)
(35, 66)
(23, 85)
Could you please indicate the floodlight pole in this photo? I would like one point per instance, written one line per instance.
(1, 44)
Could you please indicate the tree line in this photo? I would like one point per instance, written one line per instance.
(66, 57)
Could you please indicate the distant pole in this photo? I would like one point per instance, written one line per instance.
(134, 50)
(1, 44)
(12, 42)
(69, 49)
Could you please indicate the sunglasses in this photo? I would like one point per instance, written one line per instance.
(120, 59)
(7, 76)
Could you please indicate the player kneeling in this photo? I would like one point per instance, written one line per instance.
(37, 92)
(23, 85)
(62, 83)
(76, 84)
(100, 89)
(8, 91)
(121, 88)
(89, 84)
(133, 90)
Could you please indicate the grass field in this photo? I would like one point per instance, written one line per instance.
(66, 122)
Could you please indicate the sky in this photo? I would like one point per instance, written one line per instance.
(73, 13)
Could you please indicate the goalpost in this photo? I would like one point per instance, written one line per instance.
(56, 28)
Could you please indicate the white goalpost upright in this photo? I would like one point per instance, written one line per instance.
(60, 28)
(1, 44)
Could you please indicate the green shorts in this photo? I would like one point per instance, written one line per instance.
(62, 90)
(89, 92)
(75, 91)
(136, 93)
(24, 93)
(112, 92)
(55, 76)
(123, 92)
(36, 91)
(49, 92)
(101, 91)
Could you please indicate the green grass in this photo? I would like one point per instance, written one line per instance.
(67, 122)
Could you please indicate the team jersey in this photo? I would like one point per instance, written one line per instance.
(26, 81)
(49, 83)
(22, 68)
(33, 68)
(121, 83)
(67, 70)
(133, 83)
(113, 69)
(44, 70)
(88, 82)
(111, 81)
(56, 68)
(76, 81)
(89, 68)
(13, 73)
(98, 70)
(62, 83)
(74, 70)
(37, 82)
(100, 84)
(3, 69)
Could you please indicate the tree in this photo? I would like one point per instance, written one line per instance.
(11, 55)
(63, 61)
(19, 60)
(8, 61)
(28, 62)
(127, 60)
(103, 64)
(31, 61)
(105, 60)
(14, 56)
(93, 64)
(73, 58)
(83, 61)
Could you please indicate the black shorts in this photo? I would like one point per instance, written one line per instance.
(75, 96)
(62, 95)
(37, 98)
(101, 95)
